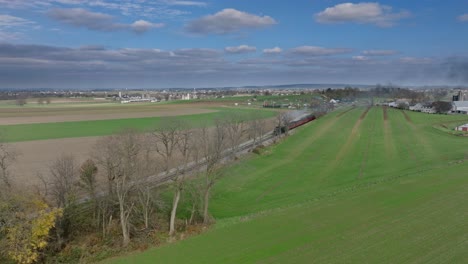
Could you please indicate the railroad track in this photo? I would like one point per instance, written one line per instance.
(189, 169)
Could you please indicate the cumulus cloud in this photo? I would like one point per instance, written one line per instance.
(79, 17)
(240, 49)
(275, 50)
(228, 21)
(318, 51)
(463, 18)
(379, 52)
(29, 66)
(363, 13)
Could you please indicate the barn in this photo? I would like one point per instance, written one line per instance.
(462, 128)
(460, 107)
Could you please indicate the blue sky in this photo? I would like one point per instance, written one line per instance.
(172, 43)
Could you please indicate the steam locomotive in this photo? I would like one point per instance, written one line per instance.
(293, 124)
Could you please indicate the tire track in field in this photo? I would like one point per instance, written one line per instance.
(305, 144)
(407, 142)
(280, 182)
(344, 112)
(388, 137)
(421, 138)
(366, 151)
(347, 146)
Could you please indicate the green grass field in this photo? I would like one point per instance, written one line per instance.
(40, 131)
(382, 186)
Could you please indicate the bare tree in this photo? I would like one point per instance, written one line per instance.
(63, 189)
(8, 156)
(282, 121)
(128, 151)
(256, 128)
(63, 180)
(145, 204)
(194, 193)
(119, 156)
(211, 146)
(235, 129)
(185, 146)
(166, 139)
(146, 198)
(106, 155)
(88, 182)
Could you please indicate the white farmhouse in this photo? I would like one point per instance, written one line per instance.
(417, 107)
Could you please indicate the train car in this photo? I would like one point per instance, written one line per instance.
(293, 124)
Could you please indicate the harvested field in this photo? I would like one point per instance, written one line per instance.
(13, 116)
(89, 128)
(36, 156)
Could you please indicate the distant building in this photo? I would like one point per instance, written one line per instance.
(460, 96)
(460, 107)
(462, 128)
(187, 96)
(428, 110)
(417, 107)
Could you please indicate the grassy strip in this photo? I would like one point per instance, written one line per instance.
(28, 132)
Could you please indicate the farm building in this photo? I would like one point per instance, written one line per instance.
(462, 128)
(417, 107)
(460, 107)
(428, 110)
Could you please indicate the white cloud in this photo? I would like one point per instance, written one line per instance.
(363, 13)
(11, 26)
(142, 8)
(360, 58)
(141, 26)
(185, 3)
(415, 60)
(318, 51)
(79, 17)
(9, 36)
(240, 49)
(379, 52)
(151, 68)
(275, 50)
(228, 21)
(8, 21)
(463, 18)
